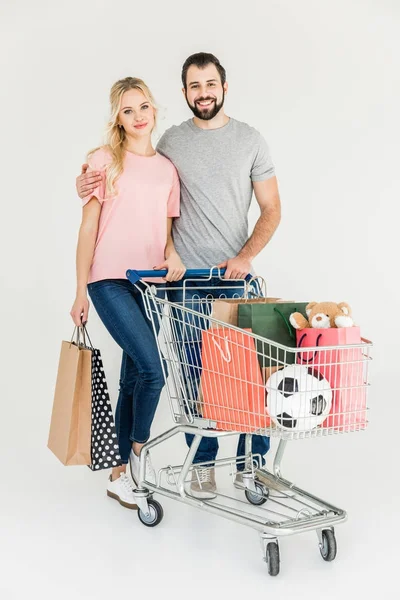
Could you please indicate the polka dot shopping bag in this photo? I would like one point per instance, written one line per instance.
(104, 446)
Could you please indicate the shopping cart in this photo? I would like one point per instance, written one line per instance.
(223, 380)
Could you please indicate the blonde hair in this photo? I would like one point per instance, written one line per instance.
(115, 135)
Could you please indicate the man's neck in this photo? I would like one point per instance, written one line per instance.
(220, 120)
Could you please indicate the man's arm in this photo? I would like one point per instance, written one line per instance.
(267, 196)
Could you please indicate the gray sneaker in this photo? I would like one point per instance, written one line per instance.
(203, 484)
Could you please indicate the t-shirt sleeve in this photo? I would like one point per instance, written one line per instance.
(174, 196)
(98, 161)
(161, 145)
(262, 167)
(164, 146)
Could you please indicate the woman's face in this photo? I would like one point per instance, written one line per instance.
(137, 116)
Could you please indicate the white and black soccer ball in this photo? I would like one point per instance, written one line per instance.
(298, 398)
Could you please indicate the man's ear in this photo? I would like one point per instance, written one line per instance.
(184, 92)
(225, 86)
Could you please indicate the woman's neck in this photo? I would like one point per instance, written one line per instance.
(143, 147)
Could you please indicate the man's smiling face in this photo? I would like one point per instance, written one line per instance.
(204, 91)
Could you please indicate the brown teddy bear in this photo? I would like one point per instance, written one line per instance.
(322, 315)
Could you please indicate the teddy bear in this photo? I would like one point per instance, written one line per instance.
(322, 315)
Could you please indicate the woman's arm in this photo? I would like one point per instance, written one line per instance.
(169, 247)
(84, 256)
(176, 268)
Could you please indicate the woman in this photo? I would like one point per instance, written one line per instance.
(126, 223)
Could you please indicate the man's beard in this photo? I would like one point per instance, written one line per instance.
(206, 114)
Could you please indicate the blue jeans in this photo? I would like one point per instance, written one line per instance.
(191, 349)
(120, 307)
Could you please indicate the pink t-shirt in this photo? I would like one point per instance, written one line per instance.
(132, 230)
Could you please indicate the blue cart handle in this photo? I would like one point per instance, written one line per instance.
(135, 276)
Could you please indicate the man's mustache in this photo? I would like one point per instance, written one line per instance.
(204, 99)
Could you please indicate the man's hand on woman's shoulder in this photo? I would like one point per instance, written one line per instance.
(86, 183)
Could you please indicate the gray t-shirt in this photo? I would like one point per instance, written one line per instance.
(216, 168)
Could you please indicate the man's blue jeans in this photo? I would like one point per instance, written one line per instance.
(120, 307)
(191, 354)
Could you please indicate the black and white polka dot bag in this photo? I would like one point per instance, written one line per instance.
(105, 449)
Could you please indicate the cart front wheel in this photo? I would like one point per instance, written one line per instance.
(328, 548)
(154, 516)
(259, 497)
(273, 559)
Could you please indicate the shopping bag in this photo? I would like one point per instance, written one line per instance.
(344, 370)
(271, 321)
(104, 443)
(233, 391)
(70, 427)
(226, 309)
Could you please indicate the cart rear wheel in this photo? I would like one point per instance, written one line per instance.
(154, 516)
(272, 558)
(328, 548)
(259, 497)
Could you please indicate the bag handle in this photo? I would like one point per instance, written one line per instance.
(77, 333)
(85, 331)
(227, 358)
(75, 337)
(288, 325)
(309, 360)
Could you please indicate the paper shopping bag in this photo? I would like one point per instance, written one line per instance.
(226, 309)
(105, 448)
(344, 369)
(70, 428)
(233, 390)
(271, 321)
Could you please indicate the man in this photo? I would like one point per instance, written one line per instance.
(220, 162)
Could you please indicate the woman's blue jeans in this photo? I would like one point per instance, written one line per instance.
(121, 308)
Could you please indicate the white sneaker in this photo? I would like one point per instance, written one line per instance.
(150, 474)
(122, 490)
(203, 484)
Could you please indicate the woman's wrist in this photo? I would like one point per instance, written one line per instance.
(170, 252)
(81, 291)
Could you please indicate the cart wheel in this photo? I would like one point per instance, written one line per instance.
(154, 516)
(259, 497)
(328, 548)
(272, 558)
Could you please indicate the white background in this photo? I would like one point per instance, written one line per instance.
(320, 80)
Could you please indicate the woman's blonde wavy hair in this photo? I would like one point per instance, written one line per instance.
(115, 135)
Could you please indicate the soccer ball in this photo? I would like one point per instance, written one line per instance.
(298, 398)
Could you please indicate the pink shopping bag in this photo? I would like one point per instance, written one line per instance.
(344, 368)
(232, 385)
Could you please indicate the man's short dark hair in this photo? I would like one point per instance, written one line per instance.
(201, 60)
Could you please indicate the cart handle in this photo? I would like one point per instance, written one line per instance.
(135, 276)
